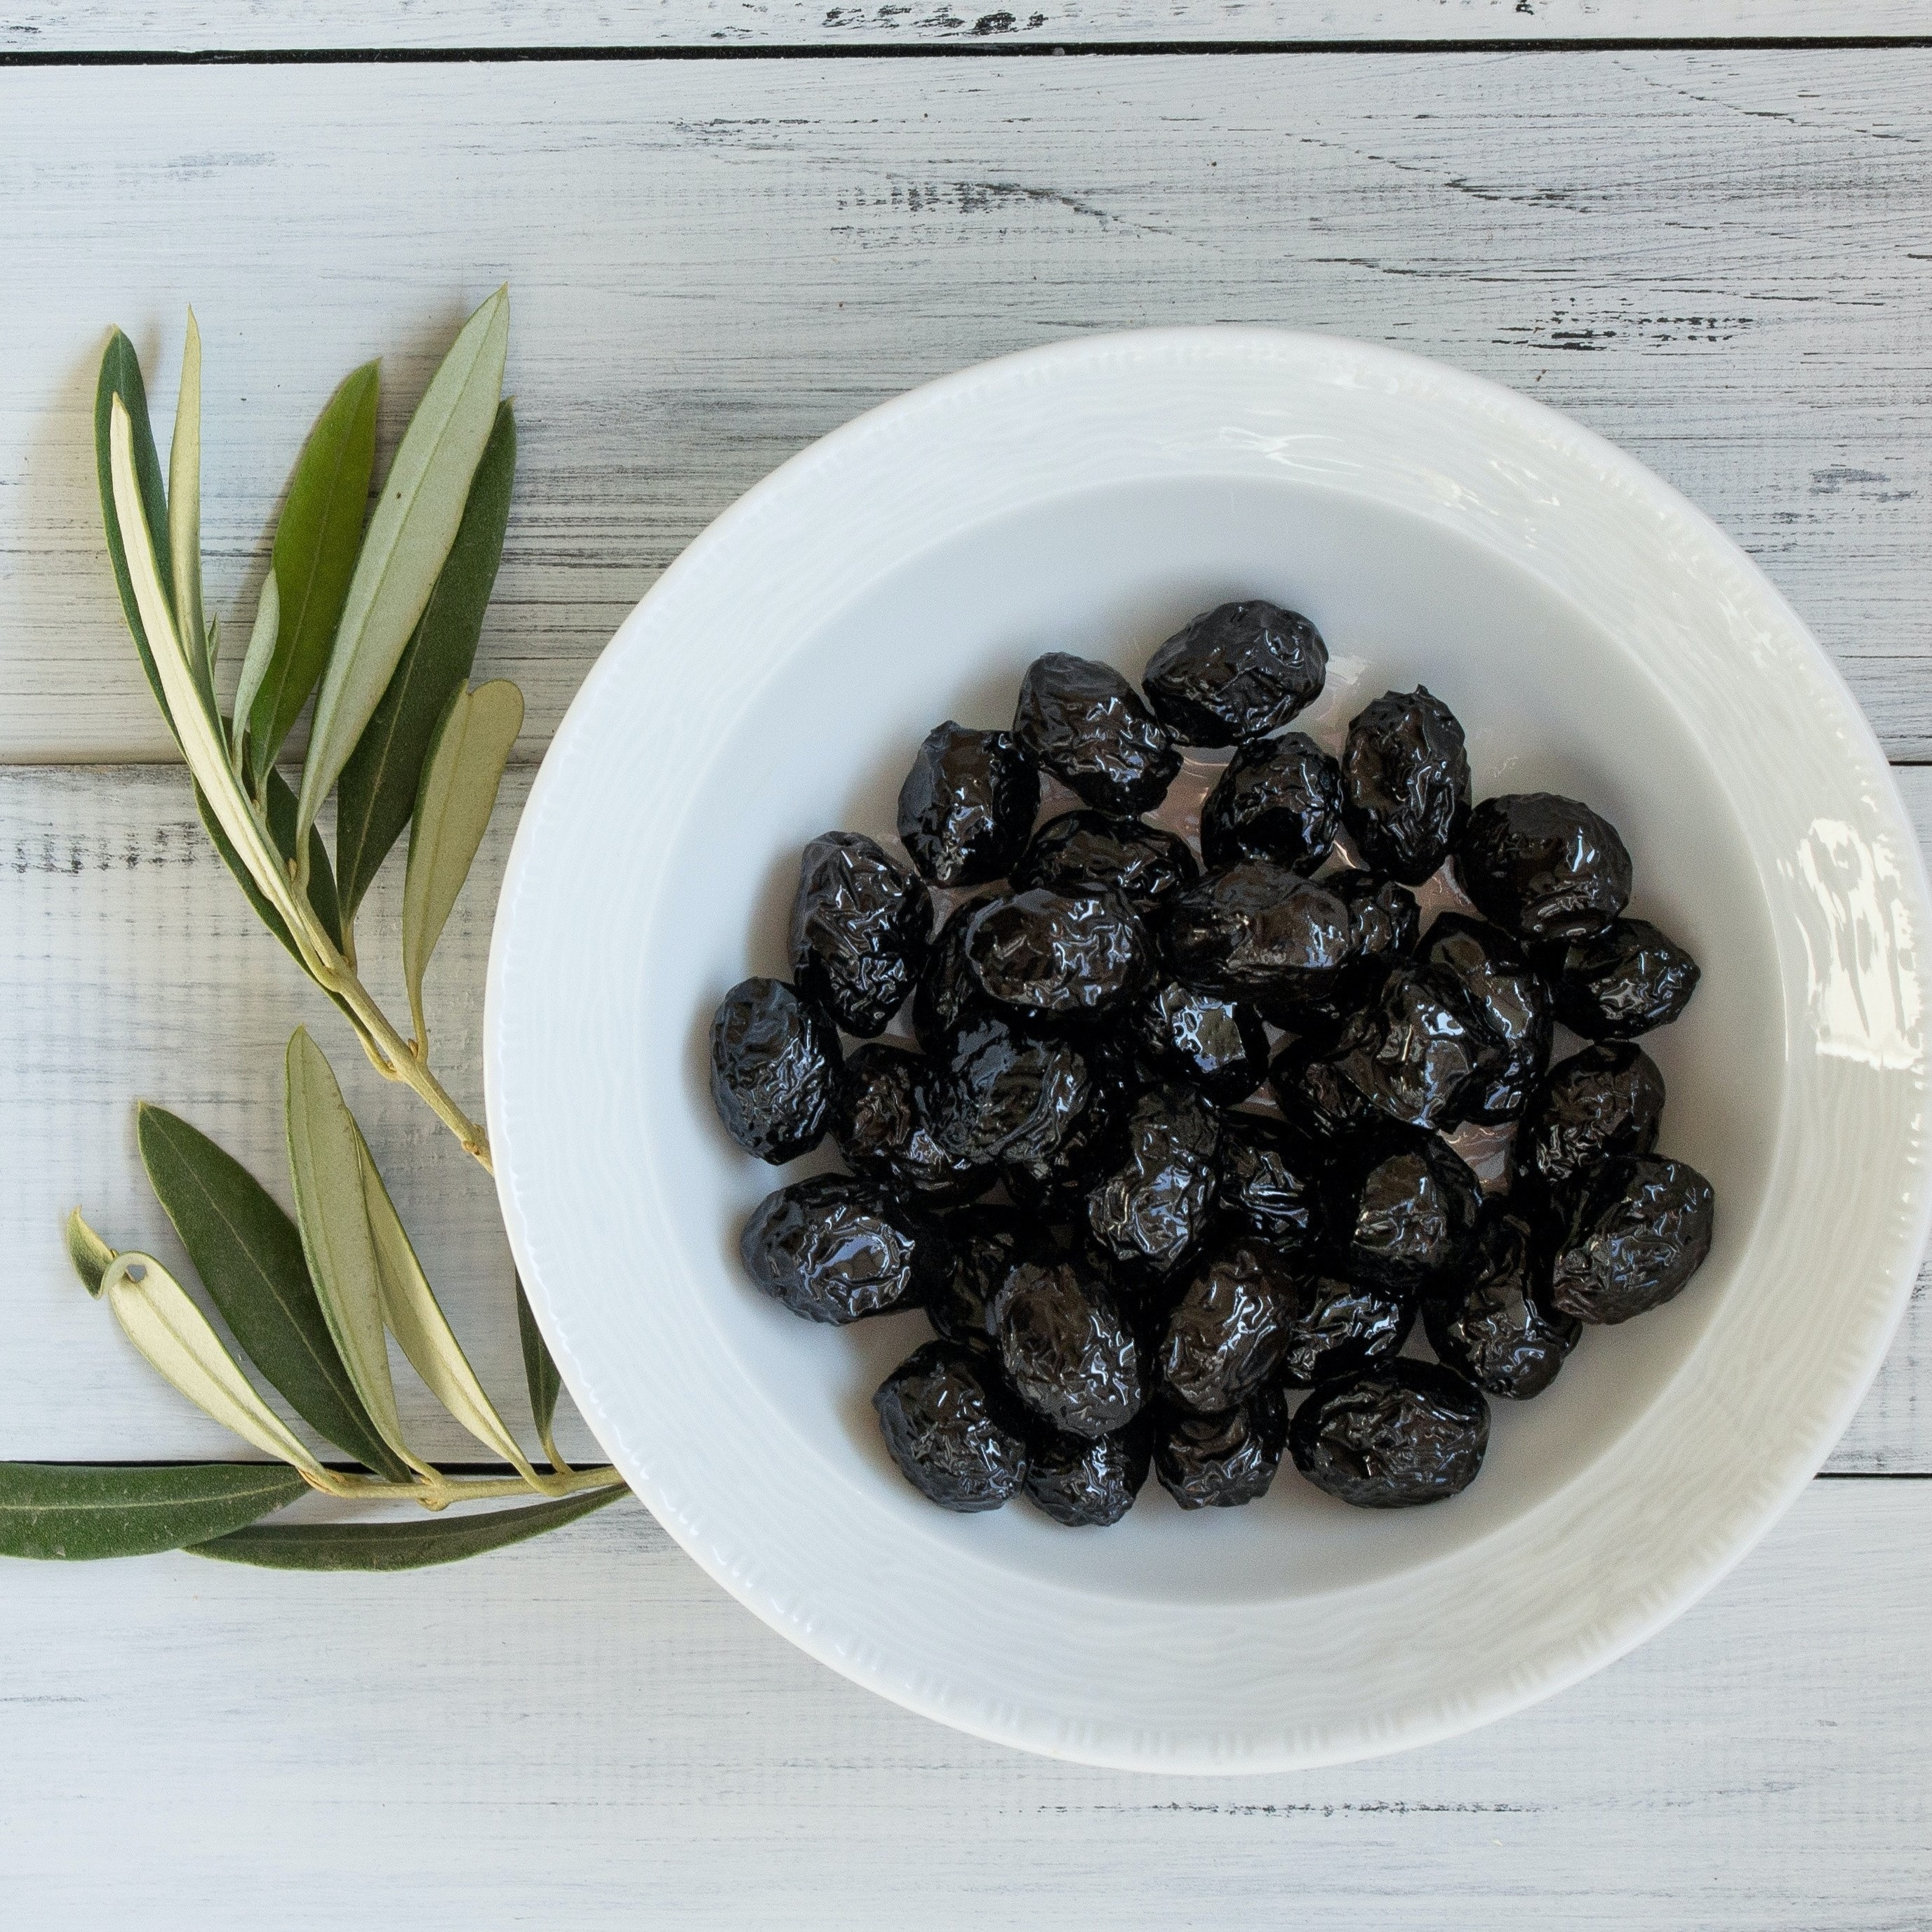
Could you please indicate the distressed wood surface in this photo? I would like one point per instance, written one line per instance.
(1720, 260)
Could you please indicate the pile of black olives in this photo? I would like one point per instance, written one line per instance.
(1175, 1137)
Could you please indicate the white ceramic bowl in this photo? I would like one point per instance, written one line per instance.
(1597, 636)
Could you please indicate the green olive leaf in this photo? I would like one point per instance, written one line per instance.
(399, 1545)
(409, 535)
(121, 382)
(92, 1257)
(280, 800)
(184, 515)
(248, 1254)
(541, 1375)
(460, 780)
(255, 661)
(378, 788)
(74, 1512)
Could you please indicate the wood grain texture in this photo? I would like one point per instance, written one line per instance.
(1719, 260)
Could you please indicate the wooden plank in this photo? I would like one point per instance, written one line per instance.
(584, 1731)
(133, 968)
(1710, 257)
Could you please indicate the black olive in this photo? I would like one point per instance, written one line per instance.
(1221, 1462)
(1279, 800)
(1493, 1322)
(836, 1247)
(951, 1429)
(1053, 1184)
(1390, 1437)
(1088, 1483)
(967, 804)
(1225, 1335)
(1414, 1051)
(1313, 1093)
(1217, 1045)
(1236, 673)
(1616, 984)
(1144, 864)
(1607, 1099)
(859, 928)
(1153, 1202)
(1272, 1177)
(946, 991)
(1637, 1231)
(1068, 1350)
(1405, 783)
(1403, 1210)
(879, 1126)
(1047, 958)
(1383, 922)
(1342, 1327)
(1510, 1000)
(998, 1090)
(1545, 867)
(1257, 932)
(774, 1068)
(1090, 727)
(983, 1244)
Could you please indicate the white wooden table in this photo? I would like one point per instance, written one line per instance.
(729, 225)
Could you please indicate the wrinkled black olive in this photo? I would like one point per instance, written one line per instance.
(1278, 799)
(1401, 1433)
(1272, 1178)
(1616, 984)
(1219, 1046)
(1313, 1093)
(837, 1247)
(1509, 999)
(1257, 932)
(1607, 1099)
(1493, 1321)
(1090, 727)
(1343, 1326)
(1220, 1461)
(1384, 923)
(1144, 864)
(1636, 1232)
(1000, 1089)
(879, 1127)
(1053, 1183)
(1088, 1483)
(1153, 1202)
(1405, 783)
(946, 991)
(983, 1243)
(1068, 1350)
(951, 1429)
(967, 804)
(1226, 1333)
(859, 927)
(1048, 958)
(1544, 866)
(1236, 673)
(1414, 1051)
(1405, 1206)
(774, 1068)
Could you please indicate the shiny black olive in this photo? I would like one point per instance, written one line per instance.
(1272, 1178)
(1053, 1183)
(837, 1247)
(1144, 864)
(1343, 1326)
(1089, 727)
(1403, 1210)
(983, 1243)
(774, 1068)
(879, 1126)
(946, 991)
(1384, 923)
(859, 928)
(1048, 958)
(1257, 932)
(1278, 799)
(1493, 1321)
(1313, 1093)
(1510, 1000)
(1414, 1051)
(1236, 673)
(1390, 1437)
(1405, 783)
(998, 1089)
(1226, 1334)
(1153, 1202)
(1607, 1099)
(1616, 984)
(967, 804)
(1069, 1351)
(1542, 866)
(1220, 1461)
(952, 1430)
(1088, 1483)
(1219, 1046)
(1637, 1231)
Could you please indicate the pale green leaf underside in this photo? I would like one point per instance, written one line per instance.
(255, 661)
(184, 514)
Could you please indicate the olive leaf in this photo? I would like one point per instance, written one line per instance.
(254, 668)
(460, 780)
(281, 800)
(540, 1375)
(248, 1254)
(92, 1257)
(377, 790)
(184, 515)
(120, 382)
(409, 535)
(399, 1545)
(75, 1512)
